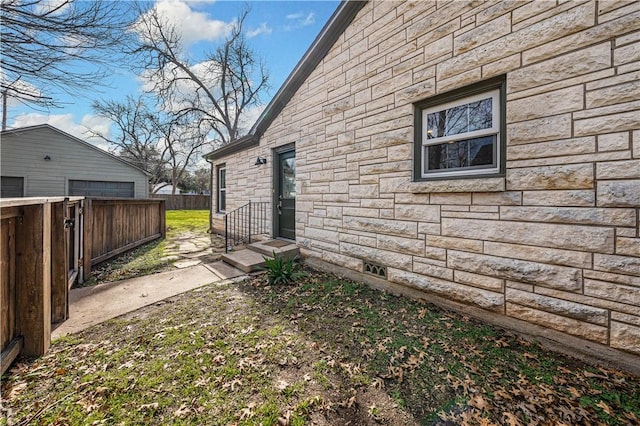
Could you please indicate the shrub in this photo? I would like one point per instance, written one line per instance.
(281, 270)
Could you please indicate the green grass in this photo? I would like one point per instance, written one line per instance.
(150, 258)
(326, 348)
(182, 221)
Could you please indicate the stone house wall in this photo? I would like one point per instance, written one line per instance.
(555, 242)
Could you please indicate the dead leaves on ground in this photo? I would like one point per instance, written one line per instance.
(336, 341)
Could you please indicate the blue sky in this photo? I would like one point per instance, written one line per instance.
(279, 31)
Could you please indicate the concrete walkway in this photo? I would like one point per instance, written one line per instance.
(92, 305)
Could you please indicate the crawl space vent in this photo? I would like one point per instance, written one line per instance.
(377, 270)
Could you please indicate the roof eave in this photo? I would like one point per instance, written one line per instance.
(330, 33)
(235, 146)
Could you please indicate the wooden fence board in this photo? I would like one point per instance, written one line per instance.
(8, 280)
(60, 264)
(120, 225)
(185, 202)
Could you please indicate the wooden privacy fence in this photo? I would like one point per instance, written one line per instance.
(46, 244)
(185, 202)
(112, 227)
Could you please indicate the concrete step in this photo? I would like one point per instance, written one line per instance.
(286, 249)
(246, 260)
(224, 270)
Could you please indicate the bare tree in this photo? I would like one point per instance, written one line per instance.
(164, 145)
(136, 136)
(44, 42)
(217, 91)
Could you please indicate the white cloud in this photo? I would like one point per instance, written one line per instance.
(193, 26)
(67, 123)
(55, 7)
(300, 19)
(262, 29)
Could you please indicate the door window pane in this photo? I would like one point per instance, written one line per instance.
(289, 178)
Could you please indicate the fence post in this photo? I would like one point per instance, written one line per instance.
(249, 221)
(33, 279)
(87, 237)
(163, 218)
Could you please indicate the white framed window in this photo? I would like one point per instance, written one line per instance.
(222, 188)
(461, 134)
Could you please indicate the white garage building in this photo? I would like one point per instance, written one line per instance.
(42, 161)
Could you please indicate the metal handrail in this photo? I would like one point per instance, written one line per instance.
(244, 222)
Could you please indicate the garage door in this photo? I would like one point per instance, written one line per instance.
(11, 187)
(94, 188)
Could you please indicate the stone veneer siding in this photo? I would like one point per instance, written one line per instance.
(554, 243)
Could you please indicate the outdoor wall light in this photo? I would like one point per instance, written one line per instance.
(260, 161)
(47, 158)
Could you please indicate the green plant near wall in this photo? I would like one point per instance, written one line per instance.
(282, 270)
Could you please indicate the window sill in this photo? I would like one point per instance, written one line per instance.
(496, 184)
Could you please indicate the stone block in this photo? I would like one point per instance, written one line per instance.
(572, 176)
(594, 34)
(435, 253)
(628, 246)
(612, 277)
(391, 138)
(622, 317)
(429, 228)
(628, 265)
(540, 129)
(444, 198)
(363, 191)
(458, 80)
(626, 54)
(629, 120)
(502, 66)
(617, 94)
(557, 26)
(559, 277)
(454, 185)
(431, 270)
(482, 34)
(401, 245)
(463, 244)
(562, 67)
(558, 306)
(571, 237)
(574, 146)
(361, 212)
(382, 257)
(567, 325)
(613, 141)
(625, 337)
(462, 293)
(320, 234)
(559, 198)
(611, 291)
(546, 104)
(341, 260)
(477, 280)
(618, 170)
(381, 226)
(575, 215)
(513, 198)
(572, 258)
(618, 193)
(417, 212)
